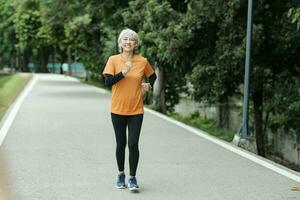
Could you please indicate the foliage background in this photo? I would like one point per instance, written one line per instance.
(197, 48)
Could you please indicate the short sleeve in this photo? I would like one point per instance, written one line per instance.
(148, 69)
(109, 68)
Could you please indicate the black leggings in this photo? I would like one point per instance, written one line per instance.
(134, 123)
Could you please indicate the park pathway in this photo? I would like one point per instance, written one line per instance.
(61, 147)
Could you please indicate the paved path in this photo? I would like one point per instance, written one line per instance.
(61, 147)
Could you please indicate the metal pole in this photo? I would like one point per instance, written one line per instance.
(244, 132)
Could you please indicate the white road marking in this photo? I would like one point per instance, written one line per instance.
(9, 118)
(230, 147)
(16, 106)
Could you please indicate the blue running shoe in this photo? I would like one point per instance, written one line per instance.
(132, 184)
(120, 184)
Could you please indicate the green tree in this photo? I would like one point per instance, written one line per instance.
(87, 27)
(294, 15)
(275, 47)
(164, 40)
(8, 51)
(31, 34)
(218, 52)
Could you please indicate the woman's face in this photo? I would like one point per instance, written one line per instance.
(128, 43)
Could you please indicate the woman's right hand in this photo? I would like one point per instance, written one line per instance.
(126, 68)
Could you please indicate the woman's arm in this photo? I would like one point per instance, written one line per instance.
(110, 80)
(148, 86)
(152, 79)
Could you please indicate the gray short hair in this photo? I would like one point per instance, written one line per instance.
(131, 33)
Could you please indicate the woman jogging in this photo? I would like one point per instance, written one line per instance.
(125, 72)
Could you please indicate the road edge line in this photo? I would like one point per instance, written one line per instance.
(11, 113)
(255, 158)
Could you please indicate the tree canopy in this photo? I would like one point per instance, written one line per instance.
(196, 46)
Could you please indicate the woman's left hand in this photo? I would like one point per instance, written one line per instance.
(146, 87)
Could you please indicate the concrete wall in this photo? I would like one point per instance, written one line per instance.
(187, 106)
(285, 144)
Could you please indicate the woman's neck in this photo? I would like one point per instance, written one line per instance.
(127, 54)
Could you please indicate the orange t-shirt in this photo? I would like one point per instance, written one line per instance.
(127, 96)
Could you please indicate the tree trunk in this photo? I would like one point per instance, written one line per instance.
(43, 60)
(258, 122)
(223, 113)
(12, 64)
(159, 91)
(22, 60)
(69, 61)
(17, 60)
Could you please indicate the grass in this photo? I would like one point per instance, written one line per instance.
(206, 125)
(10, 87)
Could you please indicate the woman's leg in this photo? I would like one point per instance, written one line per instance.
(134, 129)
(120, 123)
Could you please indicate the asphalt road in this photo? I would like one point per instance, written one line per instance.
(61, 147)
